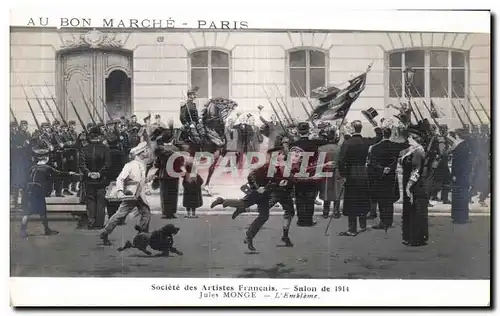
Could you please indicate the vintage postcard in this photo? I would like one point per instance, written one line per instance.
(257, 160)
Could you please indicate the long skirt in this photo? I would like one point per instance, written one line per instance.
(415, 224)
(169, 194)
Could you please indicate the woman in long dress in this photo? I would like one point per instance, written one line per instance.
(415, 224)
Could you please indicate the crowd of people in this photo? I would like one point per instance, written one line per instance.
(368, 173)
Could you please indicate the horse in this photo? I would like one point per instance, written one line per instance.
(210, 135)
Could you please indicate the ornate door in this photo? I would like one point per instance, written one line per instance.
(84, 73)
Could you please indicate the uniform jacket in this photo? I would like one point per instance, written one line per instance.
(189, 113)
(95, 157)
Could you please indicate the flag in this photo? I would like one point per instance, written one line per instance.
(339, 105)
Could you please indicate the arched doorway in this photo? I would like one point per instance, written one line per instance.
(118, 87)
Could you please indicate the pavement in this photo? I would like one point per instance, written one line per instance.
(213, 247)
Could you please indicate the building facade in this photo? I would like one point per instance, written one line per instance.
(149, 71)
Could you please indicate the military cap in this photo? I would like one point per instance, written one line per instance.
(122, 117)
(94, 131)
(90, 125)
(64, 124)
(13, 124)
(100, 124)
(40, 152)
(23, 122)
(193, 90)
(133, 116)
(45, 124)
(56, 122)
(72, 122)
(147, 118)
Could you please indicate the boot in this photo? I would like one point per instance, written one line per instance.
(50, 232)
(287, 241)
(218, 201)
(249, 242)
(336, 209)
(326, 209)
(104, 238)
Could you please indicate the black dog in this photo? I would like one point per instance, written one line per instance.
(160, 240)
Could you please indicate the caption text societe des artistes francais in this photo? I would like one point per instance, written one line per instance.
(64, 22)
(244, 291)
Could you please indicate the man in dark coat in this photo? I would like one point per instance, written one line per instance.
(245, 134)
(189, 113)
(20, 158)
(460, 171)
(95, 163)
(381, 166)
(352, 167)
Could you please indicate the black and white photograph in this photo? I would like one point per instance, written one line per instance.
(142, 148)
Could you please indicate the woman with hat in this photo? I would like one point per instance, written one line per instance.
(415, 225)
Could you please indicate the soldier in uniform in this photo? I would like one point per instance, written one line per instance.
(72, 155)
(460, 171)
(58, 155)
(381, 166)
(189, 113)
(95, 162)
(352, 163)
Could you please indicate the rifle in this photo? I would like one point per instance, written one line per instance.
(289, 121)
(284, 104)
(31, 110)
(106, 108)
(463, 107)
(305, 95)
(93, 105)
(472, 105)
(13, 116)
(41, 106)
(55, 103)
(277, 116)
(87, 106)
(303, 105)
(458, 115)
(78, 116)
(482, 107)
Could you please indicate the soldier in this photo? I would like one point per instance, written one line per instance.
(15, 179)
(72, 155)
(118, 160)
(124, 139)
(381, 166)
(352, 163)
(95, 162)
(145, 130)
(38, 178)
(189, 112)
(69, 162)
(58, 155)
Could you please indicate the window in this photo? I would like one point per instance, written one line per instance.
(439, 73)
(307, 69)
(210, 72)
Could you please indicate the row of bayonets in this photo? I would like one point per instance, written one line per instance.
(455, 95)
(82, 124)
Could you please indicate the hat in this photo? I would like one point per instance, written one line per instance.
(40, 152)
(133, 116)
(56, 122)
(157, 116)
(13, 124)
(23, 122)
(139, 148)
(90, 125)
(94, 131)
(122, 117)
(370, 114)
(64, 124)
(260, 107)
(71, 122)
(303, 128)
(45, 124)
(249, 115)
(147, 118)
(193, 90)
(278, 148)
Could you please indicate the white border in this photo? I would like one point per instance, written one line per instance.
(198, 9)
